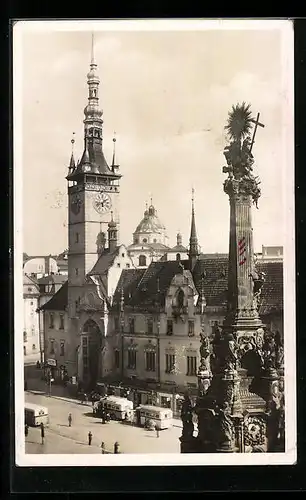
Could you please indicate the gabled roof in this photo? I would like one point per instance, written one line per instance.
(152, 285)
(104, 262)
(128, 281)
(59, 301)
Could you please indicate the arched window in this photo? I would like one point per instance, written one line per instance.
(180, 299)
(178, 256)
(142, 260)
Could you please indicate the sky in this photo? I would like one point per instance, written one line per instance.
(167, 95)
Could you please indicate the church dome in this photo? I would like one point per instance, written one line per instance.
(150, 222)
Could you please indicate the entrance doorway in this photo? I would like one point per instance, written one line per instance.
(91, 348)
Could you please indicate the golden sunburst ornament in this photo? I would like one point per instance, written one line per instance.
(239, 122)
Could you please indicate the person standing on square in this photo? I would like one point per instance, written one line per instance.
(42, 433)
(69, 419)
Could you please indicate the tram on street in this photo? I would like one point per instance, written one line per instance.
(159, 417)
(118, 408)
(34, 415)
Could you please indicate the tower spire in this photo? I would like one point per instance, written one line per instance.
(92, 62)
(114, 152)
(193, 240)
(72, 160)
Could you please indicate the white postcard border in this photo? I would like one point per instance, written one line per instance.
(290, 456)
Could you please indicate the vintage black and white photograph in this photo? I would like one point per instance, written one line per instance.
(154, 242)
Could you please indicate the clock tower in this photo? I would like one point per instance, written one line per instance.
(93, 196)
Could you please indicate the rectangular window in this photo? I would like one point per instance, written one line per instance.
(131, 359)
(117, 358)
(127, 265)
(52, 351)
(169, 327)
(51, 320)
(150, 325)
(132, 325)
(116, 323)
(150, 361)
(62, 348)
(191, 328)
(61, 322)
(77, 237)
(191, 365)
(170, 363)
(76, 271)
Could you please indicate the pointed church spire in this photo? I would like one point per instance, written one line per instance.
(114, 164)
(72, 160)
(193, 240)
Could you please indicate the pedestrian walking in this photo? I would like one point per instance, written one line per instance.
(42, 433)
(26, 430)
(89, 438)
(116, 447)
(102, 447)
(157, 430)
(69, 419)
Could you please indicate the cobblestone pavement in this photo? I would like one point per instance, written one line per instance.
(60, 438)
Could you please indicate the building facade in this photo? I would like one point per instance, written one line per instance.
(31, 338)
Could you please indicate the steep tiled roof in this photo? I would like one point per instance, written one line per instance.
(128, 281)
(104, 262)
(215, 273)
(272, 290)
(141, 285)
(142, 293)
(145, 292)
(59, 301)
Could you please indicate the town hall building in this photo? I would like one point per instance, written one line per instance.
(133, 314)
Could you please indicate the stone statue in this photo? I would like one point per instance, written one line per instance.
(258, 280)
(230, 352)
(186, 417)
(269, 351)
(216, 347)
(238, 155)
(204, 352)
(225, 427)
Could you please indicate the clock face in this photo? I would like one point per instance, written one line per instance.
(102, 202)
(76, 203)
